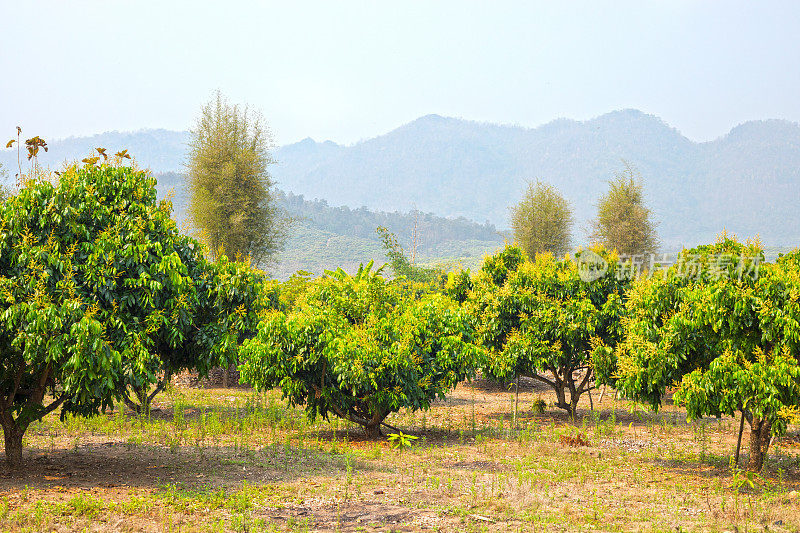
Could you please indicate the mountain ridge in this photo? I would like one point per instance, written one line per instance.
(744, 181)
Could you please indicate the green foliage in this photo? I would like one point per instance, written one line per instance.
(240, 296)
(499, 266)
(231, 199)
(458, 285)
(290, 291)
(361, 348)
(728, 338)
(220, 310)
(542, 221)
(541, 317)
(100, 292)
(663, 342)
(401, 440)
(402, 266)
(623, 221)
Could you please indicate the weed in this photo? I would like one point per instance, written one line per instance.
(578, 439)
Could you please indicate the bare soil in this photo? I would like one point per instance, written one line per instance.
(233, 460)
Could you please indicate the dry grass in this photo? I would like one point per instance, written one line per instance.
(232, 460)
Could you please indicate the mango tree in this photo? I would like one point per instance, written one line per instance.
(360, 348)
(728, 336)
(221, 308)
(544, 319)
(95, 282)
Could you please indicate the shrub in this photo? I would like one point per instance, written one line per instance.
(729, 337)
(542, 320)
(361, 348)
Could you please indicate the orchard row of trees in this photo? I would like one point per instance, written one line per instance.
(724, 340)
(103, 299)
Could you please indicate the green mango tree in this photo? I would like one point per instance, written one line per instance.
(544, 319)
(360, 347)
(727, 336)
(98, 294)
(221, 308)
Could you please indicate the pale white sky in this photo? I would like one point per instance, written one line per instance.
(348, 70)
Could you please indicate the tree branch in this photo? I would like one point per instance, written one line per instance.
(585, 380)
(162, 384)
(542, 379)
(136, 408)
(391, 427)
(349, 416)
(17, 380)
(53, 406)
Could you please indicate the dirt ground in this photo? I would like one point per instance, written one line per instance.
(234, 460)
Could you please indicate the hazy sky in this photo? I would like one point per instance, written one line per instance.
(347, 71)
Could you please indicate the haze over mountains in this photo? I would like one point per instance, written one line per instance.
(747, 181)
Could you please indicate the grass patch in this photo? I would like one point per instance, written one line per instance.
(235, 460)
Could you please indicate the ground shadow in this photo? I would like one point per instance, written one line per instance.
(526, 385)
(780, 468)
(116, 464)
(589, 417)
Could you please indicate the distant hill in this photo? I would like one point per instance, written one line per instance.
(325, 237)
(747, 181)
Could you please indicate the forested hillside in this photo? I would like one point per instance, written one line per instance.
(432, 230)
(326, 237)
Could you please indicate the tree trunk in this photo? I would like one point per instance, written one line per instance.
(13, 442)
(373, 431)
(574, 396)
(760, 433)
(373, 425)
(739, 441)
(561, 384)
(133, 406)
(516, 401)
(573, 405)
(143, 407)
(561, 400)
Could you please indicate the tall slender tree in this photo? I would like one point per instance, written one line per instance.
(232, 202)
(623, 221)
(542, 221)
